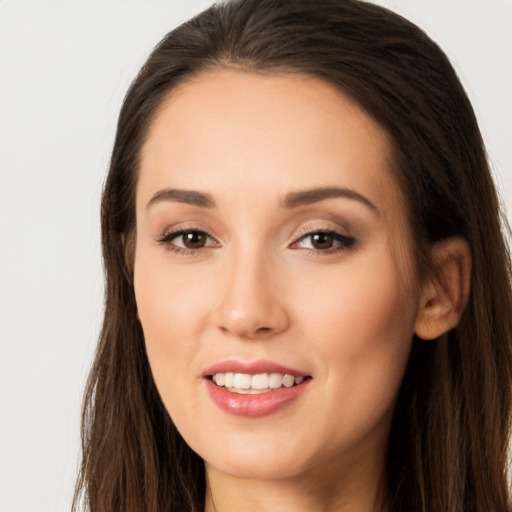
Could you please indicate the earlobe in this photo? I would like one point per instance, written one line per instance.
(446, 293)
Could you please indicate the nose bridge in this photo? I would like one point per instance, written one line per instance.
(251, 306)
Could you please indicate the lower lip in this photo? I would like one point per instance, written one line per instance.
(254, 406)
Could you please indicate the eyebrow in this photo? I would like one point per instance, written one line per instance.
(182, 196)
(315, 195)
(291, 200)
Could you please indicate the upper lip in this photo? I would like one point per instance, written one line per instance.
(252, 368)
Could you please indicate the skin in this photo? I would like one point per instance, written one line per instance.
(260, 289)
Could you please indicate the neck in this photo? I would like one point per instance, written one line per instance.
(360, 490)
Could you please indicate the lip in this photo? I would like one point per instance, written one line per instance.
(253, 406)
(252, 368)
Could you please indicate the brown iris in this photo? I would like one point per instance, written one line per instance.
(322, 241)
(194, 239)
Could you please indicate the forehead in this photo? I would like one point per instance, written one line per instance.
(238, 134)
(250, 122)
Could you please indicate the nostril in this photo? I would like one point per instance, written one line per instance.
(263, 329)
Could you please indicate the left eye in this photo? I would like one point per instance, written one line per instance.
(191, 239)
(325, 241)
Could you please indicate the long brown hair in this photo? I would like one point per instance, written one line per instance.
(448, 444)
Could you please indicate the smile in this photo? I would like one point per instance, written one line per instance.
(245, 383)
(254, 389)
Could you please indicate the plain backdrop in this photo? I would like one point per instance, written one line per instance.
(64, 68)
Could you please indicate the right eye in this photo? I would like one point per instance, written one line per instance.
(187, 240)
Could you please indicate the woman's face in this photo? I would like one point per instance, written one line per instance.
(271, 241)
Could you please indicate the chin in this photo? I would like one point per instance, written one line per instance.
(257, 458)
(269, 469)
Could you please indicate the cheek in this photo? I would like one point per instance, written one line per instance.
(356, 306)
(363, 324)
(170, 311)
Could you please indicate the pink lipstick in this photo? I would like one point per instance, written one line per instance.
(254, 389)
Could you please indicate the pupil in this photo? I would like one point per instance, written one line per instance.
(194, 240)
(322, 241)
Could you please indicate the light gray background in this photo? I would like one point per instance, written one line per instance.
(64, 68)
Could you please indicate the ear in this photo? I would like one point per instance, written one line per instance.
(445, 295)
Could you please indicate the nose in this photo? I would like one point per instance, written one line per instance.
(251, 305)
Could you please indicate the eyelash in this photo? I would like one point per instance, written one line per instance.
(168, 237)
(344, 241)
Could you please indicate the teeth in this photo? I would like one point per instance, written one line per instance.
(242, 381)
(245, 383)
(228, 379)
(248, 391)
(288, 381)
(219, 379)
(275, 380)
(259, 381)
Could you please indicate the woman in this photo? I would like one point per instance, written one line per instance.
(308, 293)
